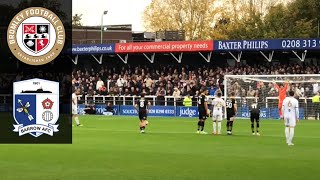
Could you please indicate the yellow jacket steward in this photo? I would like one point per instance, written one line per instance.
(316, 99)
(187, 101)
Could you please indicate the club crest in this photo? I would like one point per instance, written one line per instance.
(36, 107)
(36, 37)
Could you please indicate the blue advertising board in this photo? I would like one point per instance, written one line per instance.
(168, 111)
(268, 44)
(265, 113)
(245, 113)
(93, 49)
(187, 111)
(99, 108)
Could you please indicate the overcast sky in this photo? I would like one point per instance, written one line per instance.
(119, 12)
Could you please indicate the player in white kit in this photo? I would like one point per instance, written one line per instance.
(217, 112)
(290, 111)
(75, 107)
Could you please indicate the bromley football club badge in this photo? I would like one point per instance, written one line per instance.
(36, 107)
(36, 36)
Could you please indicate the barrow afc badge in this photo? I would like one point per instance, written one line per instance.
(36, 107)
(36, 36)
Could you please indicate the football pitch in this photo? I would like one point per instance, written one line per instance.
(112, 148)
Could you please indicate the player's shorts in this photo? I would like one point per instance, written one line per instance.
(290, 121)
(230, 115)
(202, 115)
(217, 116)
(74, 110)
(142, 116)
(254, 117)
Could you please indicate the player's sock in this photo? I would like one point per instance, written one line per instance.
(199, 125)
(219, 127)
(202, 125)
(231, 126)
(77, 120)
(214, 124)
(291, 134)
(252, 127)
(228, 125)
(286, 131)
(257, 128)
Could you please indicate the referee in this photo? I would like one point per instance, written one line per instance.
(316, 102)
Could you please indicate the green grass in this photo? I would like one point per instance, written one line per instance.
(111, 148)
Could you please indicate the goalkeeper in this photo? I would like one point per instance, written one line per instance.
(282, 90)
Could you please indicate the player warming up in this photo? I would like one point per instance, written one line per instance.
(75, 107)
(217, 112)
(290, 110)
(254, 117)
(142, 108)
(203, 110)
(282, 90)
(231, 107)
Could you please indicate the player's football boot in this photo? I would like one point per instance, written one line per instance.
(203, 132)
(258, 134)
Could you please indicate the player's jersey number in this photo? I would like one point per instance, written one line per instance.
(142, 104)
(289, 105)
(228, 104)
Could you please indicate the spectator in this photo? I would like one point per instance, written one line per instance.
(99, 84)
(148, 81)
(212, 90)
(177, 96)
(121, 82)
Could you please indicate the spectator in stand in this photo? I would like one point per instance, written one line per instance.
(99, 84)
(121, 82)
(315, 88)
(212, 90)
(187, 79)
(177, 96)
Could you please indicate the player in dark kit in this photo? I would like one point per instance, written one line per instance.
(203, 110)
(231, 107)
(142, 106)
(255, 116)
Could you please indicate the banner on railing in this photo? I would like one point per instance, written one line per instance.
(168, 46)
(93, 49)
(187, 111)
(168, 111)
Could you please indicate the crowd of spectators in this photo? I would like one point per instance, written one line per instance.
(177, 81)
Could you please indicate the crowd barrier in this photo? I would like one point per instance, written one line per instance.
(182, 111)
